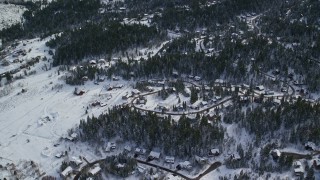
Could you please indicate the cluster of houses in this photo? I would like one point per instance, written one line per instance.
(92, 172)
(155, 155)
(297, 166)
(26, 170)
(74, 167)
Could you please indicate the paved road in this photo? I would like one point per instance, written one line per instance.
(211, 168)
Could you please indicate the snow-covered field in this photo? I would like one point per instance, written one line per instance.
(10, 14)
(33, 121)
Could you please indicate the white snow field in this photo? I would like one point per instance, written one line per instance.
(33, 121)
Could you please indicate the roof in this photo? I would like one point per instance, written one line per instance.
(169, 159)
(127, 147)
(276, 152)
(141, 169)
(214, 151)
(74, 135)
(185, 164)
(297, 163)
(261, 87)
(155, 154)
(95, 170)
(141, 151)
(66, 171)
(219, 81)
(76, 160)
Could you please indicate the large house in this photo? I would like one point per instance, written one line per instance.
(154, 155)
(95, 170)
(66, 172)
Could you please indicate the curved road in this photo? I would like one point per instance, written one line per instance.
(211, 168)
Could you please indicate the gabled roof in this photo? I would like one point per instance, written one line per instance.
(66, 171)
(154, 154)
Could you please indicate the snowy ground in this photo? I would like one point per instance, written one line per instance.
(10, 14)
(32, 122)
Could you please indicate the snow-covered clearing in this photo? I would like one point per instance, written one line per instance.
(32, 122)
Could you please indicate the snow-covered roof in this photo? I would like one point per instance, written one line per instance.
(297, 164)
(260, 87)
(74, 135)
(140, 151)
(76, 160)
(215, 151)
(276, 152)
(95, 170)
(169, 159)
(67, 171)
(154, 154)
(127, 148)
(93, 62)
(141, 169)
(185, 164)
(220, 81)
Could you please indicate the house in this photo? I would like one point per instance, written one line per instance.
(85, 78)
(204, 103)
(260, 88)
(185, 165)
(74, 135)
(160, 83)
(102, 61)
(244, 99)
(141, 169)
(66, 172)
(93, 62)
(219, 82)
(214, 152)
(79, 92)
(60, 154)
(141, 101)
(201, 160)
(127, 148)
(175, 74)
(101, 79)
(235, 157)
(169, 159)
(95, 103)
(197, 78)
(139, 151)
(154, 155)
(275, 154)
(110, 146)
(268, 92)
(135, 91)
(162, 107)
(190, 77)
(95, 170)
(298, 168)
(310, 146)
(77, 161)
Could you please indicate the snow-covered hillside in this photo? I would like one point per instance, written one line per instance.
(39, 109)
